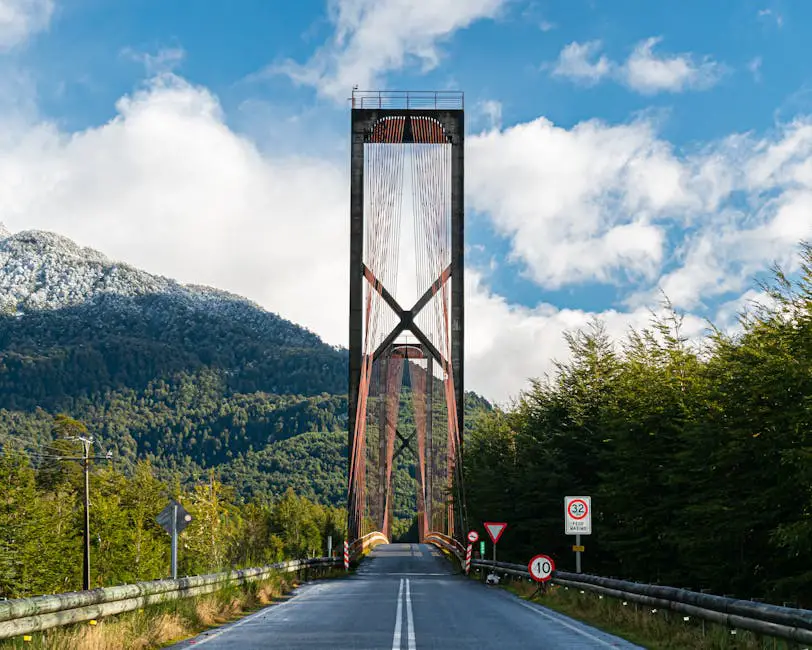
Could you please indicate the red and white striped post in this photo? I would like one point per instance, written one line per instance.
(468, 559)
(346, 556)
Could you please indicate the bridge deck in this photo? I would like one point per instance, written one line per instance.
(437, 610)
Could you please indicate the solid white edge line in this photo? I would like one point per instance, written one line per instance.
(246, 619)
(409, 618)
(275, 607)
(398, 616)
(567, 625)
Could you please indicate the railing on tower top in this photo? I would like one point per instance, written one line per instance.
(400, 99)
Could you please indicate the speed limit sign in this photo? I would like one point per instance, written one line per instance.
(577, 515)
(541, 568)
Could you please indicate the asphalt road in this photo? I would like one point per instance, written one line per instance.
(404, 596)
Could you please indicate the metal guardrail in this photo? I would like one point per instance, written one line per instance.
(409, 99)
(25, 615)
(369, 541)
(770, 620)
(449, 543)
(787, 623)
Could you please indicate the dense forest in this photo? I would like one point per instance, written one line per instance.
(53, 359)
(41, 523)
(698, 457)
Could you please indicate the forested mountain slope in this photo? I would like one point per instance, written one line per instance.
(186, 377)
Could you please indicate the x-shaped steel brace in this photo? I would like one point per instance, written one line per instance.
(407, 316)
(404, 443)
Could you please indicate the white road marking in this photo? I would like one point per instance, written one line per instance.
(409, 618)
(398, 616)
(410, 574)
(250, 617)
(567, 625)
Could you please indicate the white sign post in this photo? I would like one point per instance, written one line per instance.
(578, 521)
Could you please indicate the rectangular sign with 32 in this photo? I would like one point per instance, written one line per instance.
(578, 515)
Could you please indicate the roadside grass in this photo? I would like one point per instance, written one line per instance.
(162, 624)
(645, 626)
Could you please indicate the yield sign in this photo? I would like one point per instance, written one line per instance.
(495, 530)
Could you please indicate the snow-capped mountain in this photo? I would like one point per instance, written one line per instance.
(73, 322)
(42, 270)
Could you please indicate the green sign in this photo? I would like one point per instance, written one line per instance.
(482, 549)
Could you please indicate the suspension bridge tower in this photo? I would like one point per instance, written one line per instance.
(406, 307)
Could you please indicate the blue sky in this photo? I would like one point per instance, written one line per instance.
(615, 149)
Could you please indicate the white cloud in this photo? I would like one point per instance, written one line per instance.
(19, 19)
(165, 60)
(168, 187)
(580, 204)
(579, 61)
(546, 26)
(644, 71)
(596, 202)
(648, 73)
(506, 344)
(373, 37)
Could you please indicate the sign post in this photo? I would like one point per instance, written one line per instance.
(174, 558)
(174, 519)
(346, 556)
(578, 521)
(495, 530)
(468, 559)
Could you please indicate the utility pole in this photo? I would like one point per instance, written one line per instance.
(86, 442)
(85, 459)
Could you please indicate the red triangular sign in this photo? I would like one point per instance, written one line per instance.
(495, 530)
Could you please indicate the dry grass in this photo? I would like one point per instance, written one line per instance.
(159, 625)
(208, 611)
(647, 627)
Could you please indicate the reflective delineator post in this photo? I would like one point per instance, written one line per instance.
(468, 559)
(346, 556)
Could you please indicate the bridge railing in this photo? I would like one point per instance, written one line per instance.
(448, 543)
(26, 615)
(408, 99)
(771, 620)
(363, 544)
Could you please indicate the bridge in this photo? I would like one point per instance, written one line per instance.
(406, 308)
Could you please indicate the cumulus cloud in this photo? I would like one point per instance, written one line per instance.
(579, 204)
(19, 19)
(582, 63)
(644, 71)
(167, 186)
(649, 73)
(506, 343)
(373, 37)
(597, 202)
